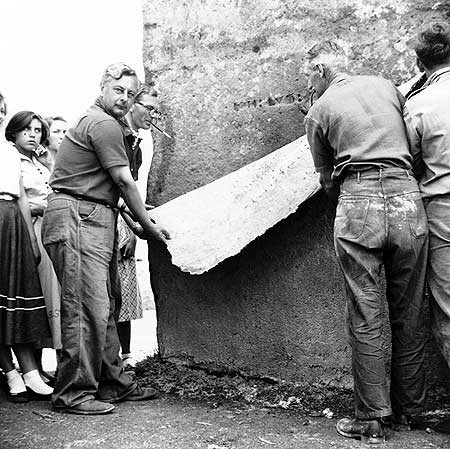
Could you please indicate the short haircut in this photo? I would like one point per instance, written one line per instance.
(57, 118)
(145, 89)
(116, 71)
(50, 121)
(22, 120)
(433, 45)
(328, 53)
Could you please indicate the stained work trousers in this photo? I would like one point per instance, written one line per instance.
(438, 212)
(79, 237)
(380, 221)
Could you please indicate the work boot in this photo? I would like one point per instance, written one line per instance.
(137, 394)
(402, 422)
(91, 407)
(443, 426)
(141, 394)
(370, 431)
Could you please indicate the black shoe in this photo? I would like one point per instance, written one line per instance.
(18, 398)
(370, 431)
(37, 396)
(443, 426)
(50, 380)
(141, 394)
(402, 422)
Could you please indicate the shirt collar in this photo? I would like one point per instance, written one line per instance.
(339, 78)
(99, 104)
(130, 129)
(438, 76)
(24, 157)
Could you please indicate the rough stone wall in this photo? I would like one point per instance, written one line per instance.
(275, 309)
(230, 78)
(230, 73)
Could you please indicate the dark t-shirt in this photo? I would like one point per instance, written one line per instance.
(358, 124)
(95, 144)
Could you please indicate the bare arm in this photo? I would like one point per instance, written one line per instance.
(122, 177)
(26, 212)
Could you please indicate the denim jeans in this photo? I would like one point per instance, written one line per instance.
(79, 237)
(380, 221)
(438, 212)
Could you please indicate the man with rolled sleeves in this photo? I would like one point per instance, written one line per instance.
(359, 146)
(91, 172)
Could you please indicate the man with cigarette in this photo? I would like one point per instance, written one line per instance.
(142, 115)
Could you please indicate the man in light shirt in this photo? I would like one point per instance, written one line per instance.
(427, 117)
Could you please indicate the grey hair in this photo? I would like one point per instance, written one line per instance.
(116, 71)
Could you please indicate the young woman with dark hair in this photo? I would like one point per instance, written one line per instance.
(27, 131)
(23, 318)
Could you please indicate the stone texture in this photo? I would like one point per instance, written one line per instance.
(274, 309)
(232, 90)
(230, 73)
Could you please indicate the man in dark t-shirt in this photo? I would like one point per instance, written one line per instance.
(357, 138)
(91, 172)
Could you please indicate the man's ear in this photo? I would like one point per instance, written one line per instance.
(321, 69)
(419, 64)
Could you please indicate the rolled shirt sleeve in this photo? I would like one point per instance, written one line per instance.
(415, 141)
(321, 150)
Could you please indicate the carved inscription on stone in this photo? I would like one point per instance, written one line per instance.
(270, 101)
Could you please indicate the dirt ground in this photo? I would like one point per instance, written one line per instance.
(204, 410)
(197, 409)
(176, 423)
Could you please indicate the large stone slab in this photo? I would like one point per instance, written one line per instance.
(216, 221)
(269, 300)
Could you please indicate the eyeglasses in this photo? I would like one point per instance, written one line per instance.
(151, 110)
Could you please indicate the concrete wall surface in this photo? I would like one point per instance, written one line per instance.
(230, 73)
(275, 309)
(230, 78)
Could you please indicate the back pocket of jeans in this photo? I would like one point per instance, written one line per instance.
(417, 218)
(351, 217)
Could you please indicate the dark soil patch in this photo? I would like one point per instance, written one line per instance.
(218, 387)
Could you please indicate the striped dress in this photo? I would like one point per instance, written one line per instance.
(23, 317)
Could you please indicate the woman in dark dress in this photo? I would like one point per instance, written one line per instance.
(23, 317)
